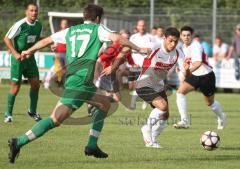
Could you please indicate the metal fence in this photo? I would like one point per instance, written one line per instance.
(200, 19)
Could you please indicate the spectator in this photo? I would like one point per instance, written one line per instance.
(159, 34)
(235, 47)
(206, 46)
(220, 50)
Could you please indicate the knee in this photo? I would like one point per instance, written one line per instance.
(56, 122)
(165, 116)
(35, 87)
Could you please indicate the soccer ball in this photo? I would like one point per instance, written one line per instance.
(210, 140)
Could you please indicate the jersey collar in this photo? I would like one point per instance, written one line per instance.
(31, 24)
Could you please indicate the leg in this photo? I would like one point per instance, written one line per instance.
(59, 114)
(183, 89)
(217, 109)
(33, 94)
(156, 123)
(100, 111)
(15, 87)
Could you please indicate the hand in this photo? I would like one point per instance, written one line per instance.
(145, 51)
(53, 47)
(25, 54)
(17, 56)
(107, 71)
(186, 64)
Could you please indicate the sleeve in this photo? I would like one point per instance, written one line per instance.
(14, 31)
(215, 51)
(103, 33)
(59, 37)
(181, 59)
(130, 59)
(196, 52)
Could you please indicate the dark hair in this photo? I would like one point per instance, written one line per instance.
(187, 28)
(30, 3)
(91, 12)
(197, 36)
(171, 31)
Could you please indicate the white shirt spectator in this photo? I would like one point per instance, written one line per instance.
(146, 41)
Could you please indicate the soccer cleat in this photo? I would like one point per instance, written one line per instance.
(147, 136)
(181, 125)
(222, 122)
(156, 145)
(13, 150)
(96, 152)
(8, 119)
(144, 105)
(35, 116)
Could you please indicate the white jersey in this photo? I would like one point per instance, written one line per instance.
(143, 41)
(194, 52)
(156, 67)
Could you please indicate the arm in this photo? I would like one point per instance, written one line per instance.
(117, 62)
(231, 50)
(9, 45)
(195, 66)
(39, 45)
(125, 42)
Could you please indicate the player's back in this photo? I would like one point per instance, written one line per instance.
(83, 44)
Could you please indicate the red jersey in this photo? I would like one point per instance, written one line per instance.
(111, 53)
(60, 48)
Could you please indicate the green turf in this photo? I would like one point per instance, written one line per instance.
(121, 138)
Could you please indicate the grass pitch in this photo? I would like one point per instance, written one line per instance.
(121, 137)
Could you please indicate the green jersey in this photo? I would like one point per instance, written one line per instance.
(82, 43)
(24, 34)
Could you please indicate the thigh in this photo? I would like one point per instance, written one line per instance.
(30, 69)
(185, 87)
(60, 113)
(149, 95)
(16, 71)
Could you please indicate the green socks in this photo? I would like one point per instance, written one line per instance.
(97, 125)
(10, 103)
(33, 100)
(37, 131)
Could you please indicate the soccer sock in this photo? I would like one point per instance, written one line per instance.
(216, 108)
(155, 124)
(157, 129)
(182, 107)
(37, 131)
(97, 125)
(33, 100)
(11, 100)
(134, 100)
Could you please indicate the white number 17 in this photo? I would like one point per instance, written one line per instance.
(84, 38)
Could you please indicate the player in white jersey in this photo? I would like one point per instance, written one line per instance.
(201, 76)
(150, 84)
(142, 39)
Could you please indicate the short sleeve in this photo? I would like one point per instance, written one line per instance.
(103, 33)
(234, 42)
(59, 37)
(14, 31)
(196, 52)
(224, 48)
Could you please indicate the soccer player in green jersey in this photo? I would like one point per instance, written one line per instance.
(83, 43)
(21, 36)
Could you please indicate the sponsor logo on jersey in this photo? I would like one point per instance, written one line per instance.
(31, 38)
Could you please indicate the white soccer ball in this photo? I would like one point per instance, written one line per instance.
(210, 140)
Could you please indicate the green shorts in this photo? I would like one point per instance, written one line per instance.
(77, 91)
(28, 68)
